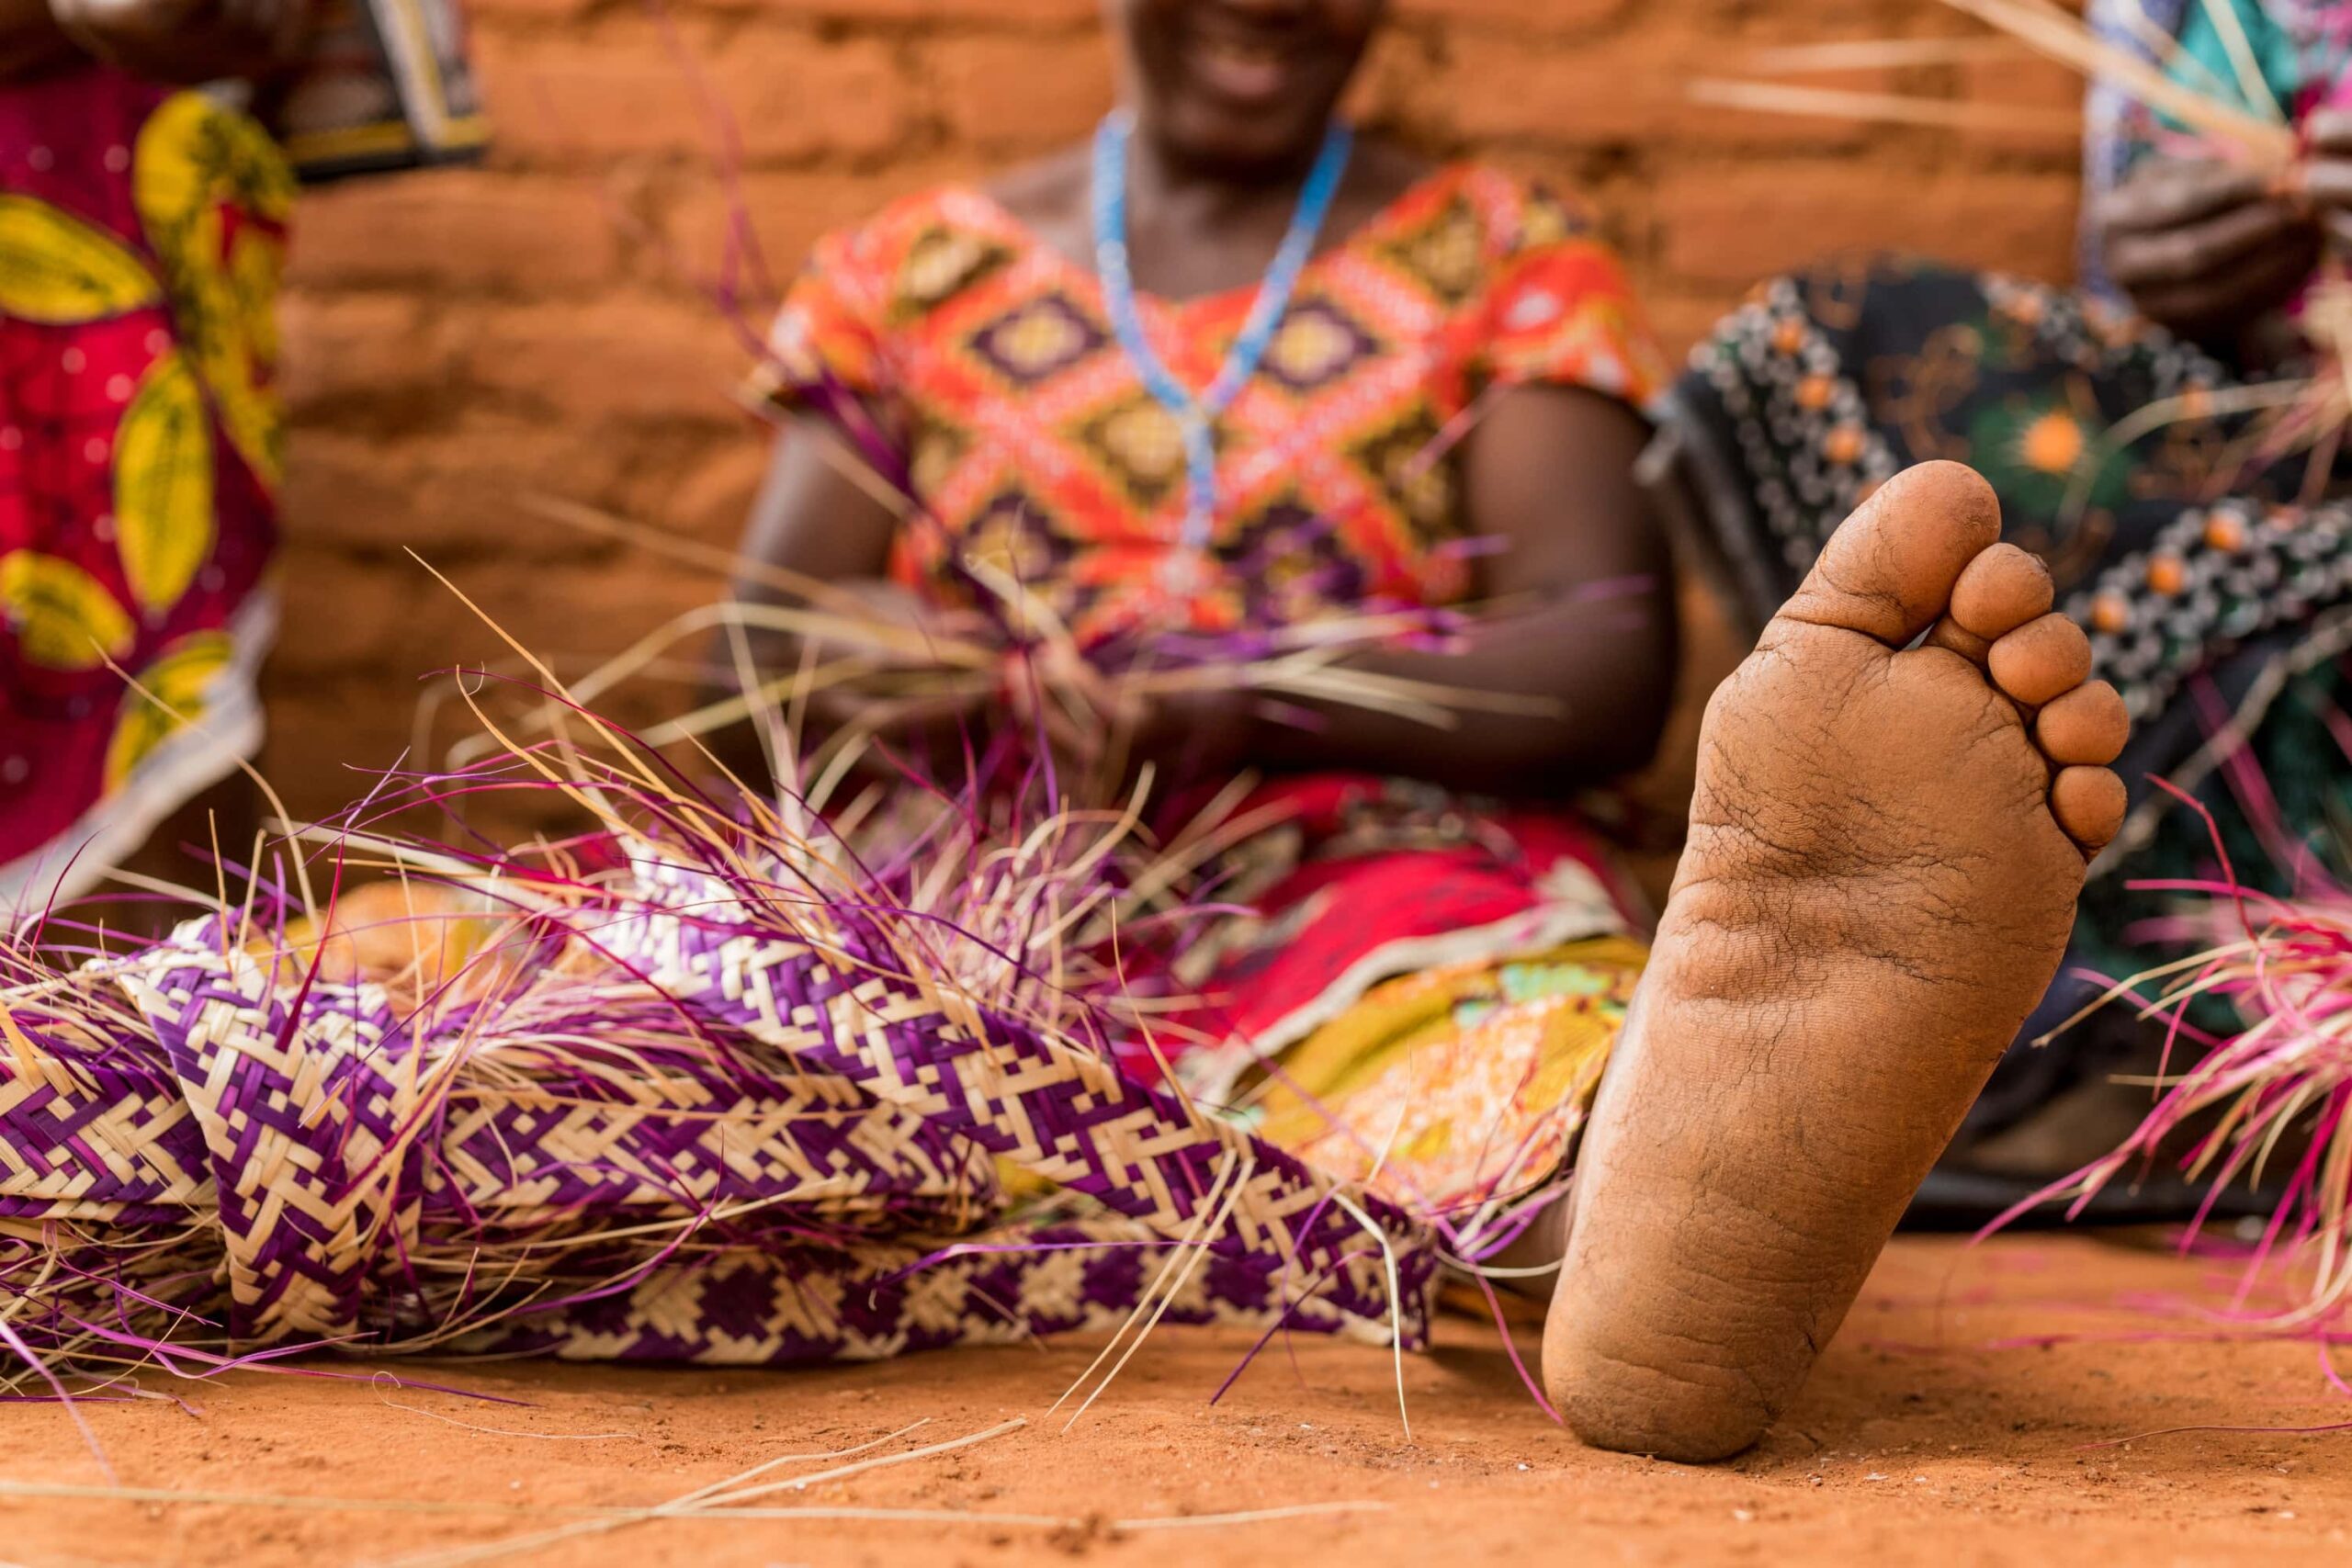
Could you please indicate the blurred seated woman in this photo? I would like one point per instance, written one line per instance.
(1226, 372)
(2201, 555)
(143, 208)
(1230, 367)
(141, 230)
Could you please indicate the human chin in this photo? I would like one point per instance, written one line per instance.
(1205, 129)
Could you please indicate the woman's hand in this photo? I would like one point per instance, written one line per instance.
(2206, 248)
(186, 40)
(1192, 732)
(2326, 175)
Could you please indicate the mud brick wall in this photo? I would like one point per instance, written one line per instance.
(545, 323)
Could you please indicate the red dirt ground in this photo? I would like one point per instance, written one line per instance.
(1924, 1438)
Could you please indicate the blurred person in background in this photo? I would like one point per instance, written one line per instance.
(2205, 568)
(145, 188)
(1232, 366)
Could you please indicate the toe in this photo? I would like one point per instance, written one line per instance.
(1888, 571)
(2042, 660)
(2089, 803)
(2001, 591)
(1951, 634)
(2086, 726)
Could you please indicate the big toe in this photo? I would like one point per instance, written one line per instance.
(1889, 570)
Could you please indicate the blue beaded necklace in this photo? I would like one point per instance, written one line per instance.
(1196, 416)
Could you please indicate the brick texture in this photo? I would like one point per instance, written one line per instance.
(458, 342)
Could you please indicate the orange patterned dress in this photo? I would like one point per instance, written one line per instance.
(1033, 446)
(1397, 938)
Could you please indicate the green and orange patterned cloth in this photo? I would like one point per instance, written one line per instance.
(2217, 589)
(142, 231)
(2213, 574)
(1420, 988)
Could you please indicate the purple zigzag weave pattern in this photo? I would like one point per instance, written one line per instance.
(711, 1127)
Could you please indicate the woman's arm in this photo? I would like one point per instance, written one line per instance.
(1550, 474)
(812, 519)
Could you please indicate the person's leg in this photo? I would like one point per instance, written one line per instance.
(1882, 871)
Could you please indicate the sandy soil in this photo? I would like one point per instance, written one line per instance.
(1930, 1434)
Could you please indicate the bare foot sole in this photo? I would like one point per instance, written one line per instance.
(1886, 845)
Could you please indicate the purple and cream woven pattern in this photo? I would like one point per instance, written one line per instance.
(693, 1122)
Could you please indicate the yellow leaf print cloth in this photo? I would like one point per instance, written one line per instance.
(140, 234)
